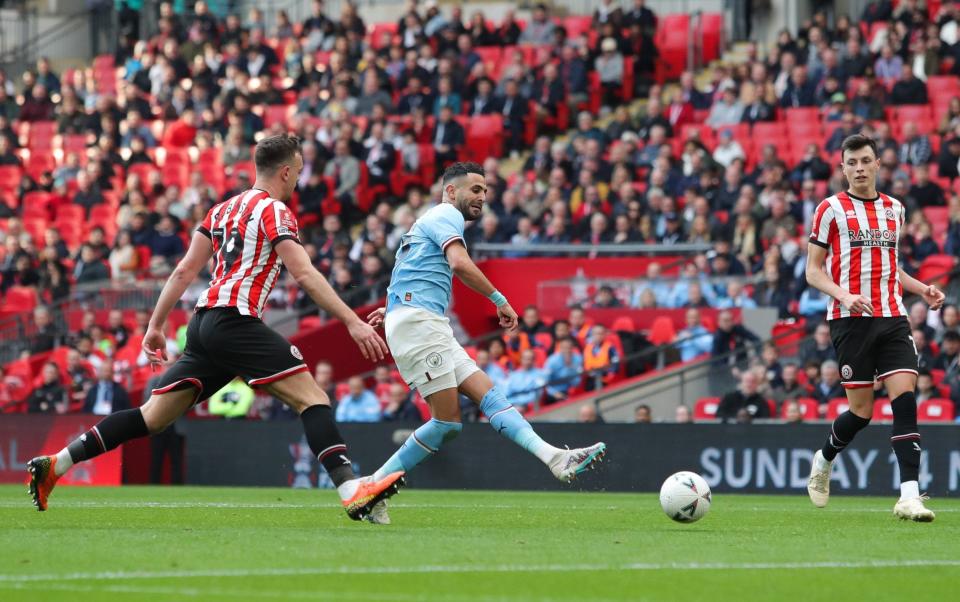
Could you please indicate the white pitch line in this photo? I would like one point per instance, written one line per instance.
(322, 505)
(454, 569)
(193, 592)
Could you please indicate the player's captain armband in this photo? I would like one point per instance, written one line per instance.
(497, 298)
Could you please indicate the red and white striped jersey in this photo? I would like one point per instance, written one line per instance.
(245, 231)
(861, 237)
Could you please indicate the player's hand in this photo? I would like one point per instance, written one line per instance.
(155, 346)
(857, 303)
(375, 318)
(934, 297)
(371, 345)
(508, 317)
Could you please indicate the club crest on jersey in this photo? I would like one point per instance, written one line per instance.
(846, 372)
(851, 214)
(890, 214)
(296, 352)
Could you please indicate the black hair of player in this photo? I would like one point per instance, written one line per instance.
(856, 142)
(460, 169)
(276, 151)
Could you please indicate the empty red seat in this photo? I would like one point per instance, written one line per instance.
(837, 406)
(914, 113)
(20, 298)
(70, 213)
(935, 410)
(935, 269)
(711, 34)
(802, 115)
(273, 114)
(773, 129)
(706, 408)
(882, 410)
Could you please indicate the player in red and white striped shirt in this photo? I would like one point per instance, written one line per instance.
(251, 236)
(853, 258)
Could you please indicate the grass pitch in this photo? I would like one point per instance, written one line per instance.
(145, 543)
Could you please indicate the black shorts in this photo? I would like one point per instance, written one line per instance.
(223, 344)
(872, 348)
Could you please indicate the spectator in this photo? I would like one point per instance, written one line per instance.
(448, 138)
(915, 149)
(642, 415)
(530, 323)
(492, 369)
(359, 404)
(525, 384)
(829, 386)
(908, 90)
(925, 388)
(323, 375)
(947, 359)
(79, 375)
(588, 414)
(50, 397)
(345, 171)
(539, 30)
(791, 413)
(564, 369)
(124, 259)
(47, 335)
(925, 192)
(789, 387)
(728, 150)
(609, 65)
(682, 415)
(820, 348)
(88, 192)
(605, 298)
(727, 110)
(106, 396)
(889, 67)
(90, 268)
(731, 337)
(601, 360)
(736, 297)
(694, 340)
(400, 406)
(746, 397)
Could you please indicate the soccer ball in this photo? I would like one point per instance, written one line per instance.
(685, 497)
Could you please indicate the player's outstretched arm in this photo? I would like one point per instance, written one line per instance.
(817, 277)
(930, 293)
(315, 285)
(470, 274)
(199, 253)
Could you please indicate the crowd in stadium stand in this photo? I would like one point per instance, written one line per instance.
(107, 169)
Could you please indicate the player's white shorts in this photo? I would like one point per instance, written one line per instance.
(428, 356)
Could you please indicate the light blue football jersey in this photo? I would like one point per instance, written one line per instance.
(421, 276)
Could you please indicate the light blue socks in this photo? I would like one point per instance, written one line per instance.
(424, 442)
(508, 421)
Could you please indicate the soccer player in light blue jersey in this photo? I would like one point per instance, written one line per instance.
(428, 356)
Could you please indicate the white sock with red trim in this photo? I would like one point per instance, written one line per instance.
(64, 462)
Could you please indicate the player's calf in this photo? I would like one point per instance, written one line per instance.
(905, 440)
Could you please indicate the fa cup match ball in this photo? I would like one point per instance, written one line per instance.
(685, 497)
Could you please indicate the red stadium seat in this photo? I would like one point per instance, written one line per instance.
(706, 408)
(764, 130)
(882, 410)
(837, 406)
(341, 391)
(802, 115)
(711, 34)
(936, 410)
(543, 339)
(935, 269)
(662, 331)
(937, 376)
(787, 334)
(809, 408)
(71, 213)
(20, 298)
(273, 114)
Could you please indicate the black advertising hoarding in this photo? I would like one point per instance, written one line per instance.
(732, 458)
